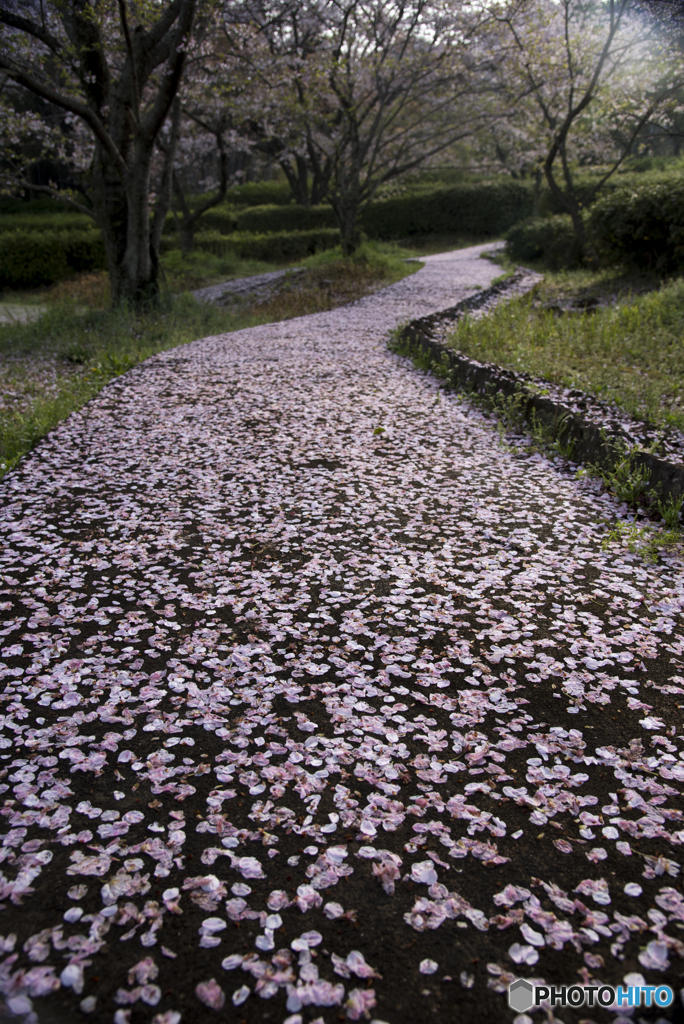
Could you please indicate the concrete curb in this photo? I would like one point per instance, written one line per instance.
(592, 443)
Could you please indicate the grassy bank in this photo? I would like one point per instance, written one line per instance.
(54, 365)
(619, 337)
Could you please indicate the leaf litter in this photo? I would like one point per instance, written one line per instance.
(308, 720)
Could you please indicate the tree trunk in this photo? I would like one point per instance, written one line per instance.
(569, 201)
(536, 195)
(190, 219)
(297, 179)
(186, 225)
(346, 210)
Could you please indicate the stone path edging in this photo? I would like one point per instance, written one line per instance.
(592, 442)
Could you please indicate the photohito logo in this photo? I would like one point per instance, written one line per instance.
(522, 995)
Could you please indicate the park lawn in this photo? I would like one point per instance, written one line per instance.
(617, 336)
(53, 365)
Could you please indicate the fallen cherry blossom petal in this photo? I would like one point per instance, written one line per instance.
(211, 994)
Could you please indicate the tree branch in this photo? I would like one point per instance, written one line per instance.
(23, 78)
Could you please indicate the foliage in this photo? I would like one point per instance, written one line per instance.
(589, 78)
(549, 240)
(627, 351)
(276, 247)
(285, 218)
(642, 226)
(50, 220)
(259, 193)
(110, 76)
(623, 475)
(29, 259)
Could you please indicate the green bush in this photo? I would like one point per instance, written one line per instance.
(478, 210)
(60, 220)
(271, 248)
(642, 226)
(550, 240)
(29, 259)
(257, 193)
(219, 218)
(33, 207)
(286, 218)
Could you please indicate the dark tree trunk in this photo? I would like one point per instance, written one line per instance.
(106, 93)
(346, 210)
(570, 202)
(298, 179)
(189, 219)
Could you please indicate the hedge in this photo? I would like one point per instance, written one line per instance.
(476, 210)
(286, 218)
(642, 227)
(257, 193)
(60, 220)
(279, 245)
(29, 259)
(551, 240)
(485, 210)
(217, 219)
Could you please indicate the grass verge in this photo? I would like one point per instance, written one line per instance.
(618, 337)
(54, 365)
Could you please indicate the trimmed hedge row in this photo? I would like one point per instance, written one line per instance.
(62, 220)
(483, 210)
(217, 219)
(279, 245)
(29, 259)
(285, 218)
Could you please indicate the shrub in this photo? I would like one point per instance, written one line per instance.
(477, 210)
(642, 226)
(286, 218)
(55, 220)
(257, 193)
(270, 248)
(29, 259)
(217, 219)
(550, 240)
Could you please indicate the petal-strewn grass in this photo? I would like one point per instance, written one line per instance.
(588, 332)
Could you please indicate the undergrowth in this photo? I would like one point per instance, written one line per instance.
(592, 332)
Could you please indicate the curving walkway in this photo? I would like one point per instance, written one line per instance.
(321, 704)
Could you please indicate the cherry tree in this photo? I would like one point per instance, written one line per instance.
(113, 72)
(406, 81)
(281, 52)
(587, 78)
(370, 91)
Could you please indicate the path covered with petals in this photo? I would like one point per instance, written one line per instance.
(320, 703)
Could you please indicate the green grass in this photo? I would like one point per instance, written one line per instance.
(53, 366)
(186, 272)
(629, 351)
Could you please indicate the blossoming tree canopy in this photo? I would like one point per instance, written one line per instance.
(114, 71)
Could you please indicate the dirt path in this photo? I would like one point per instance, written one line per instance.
(321, 703)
